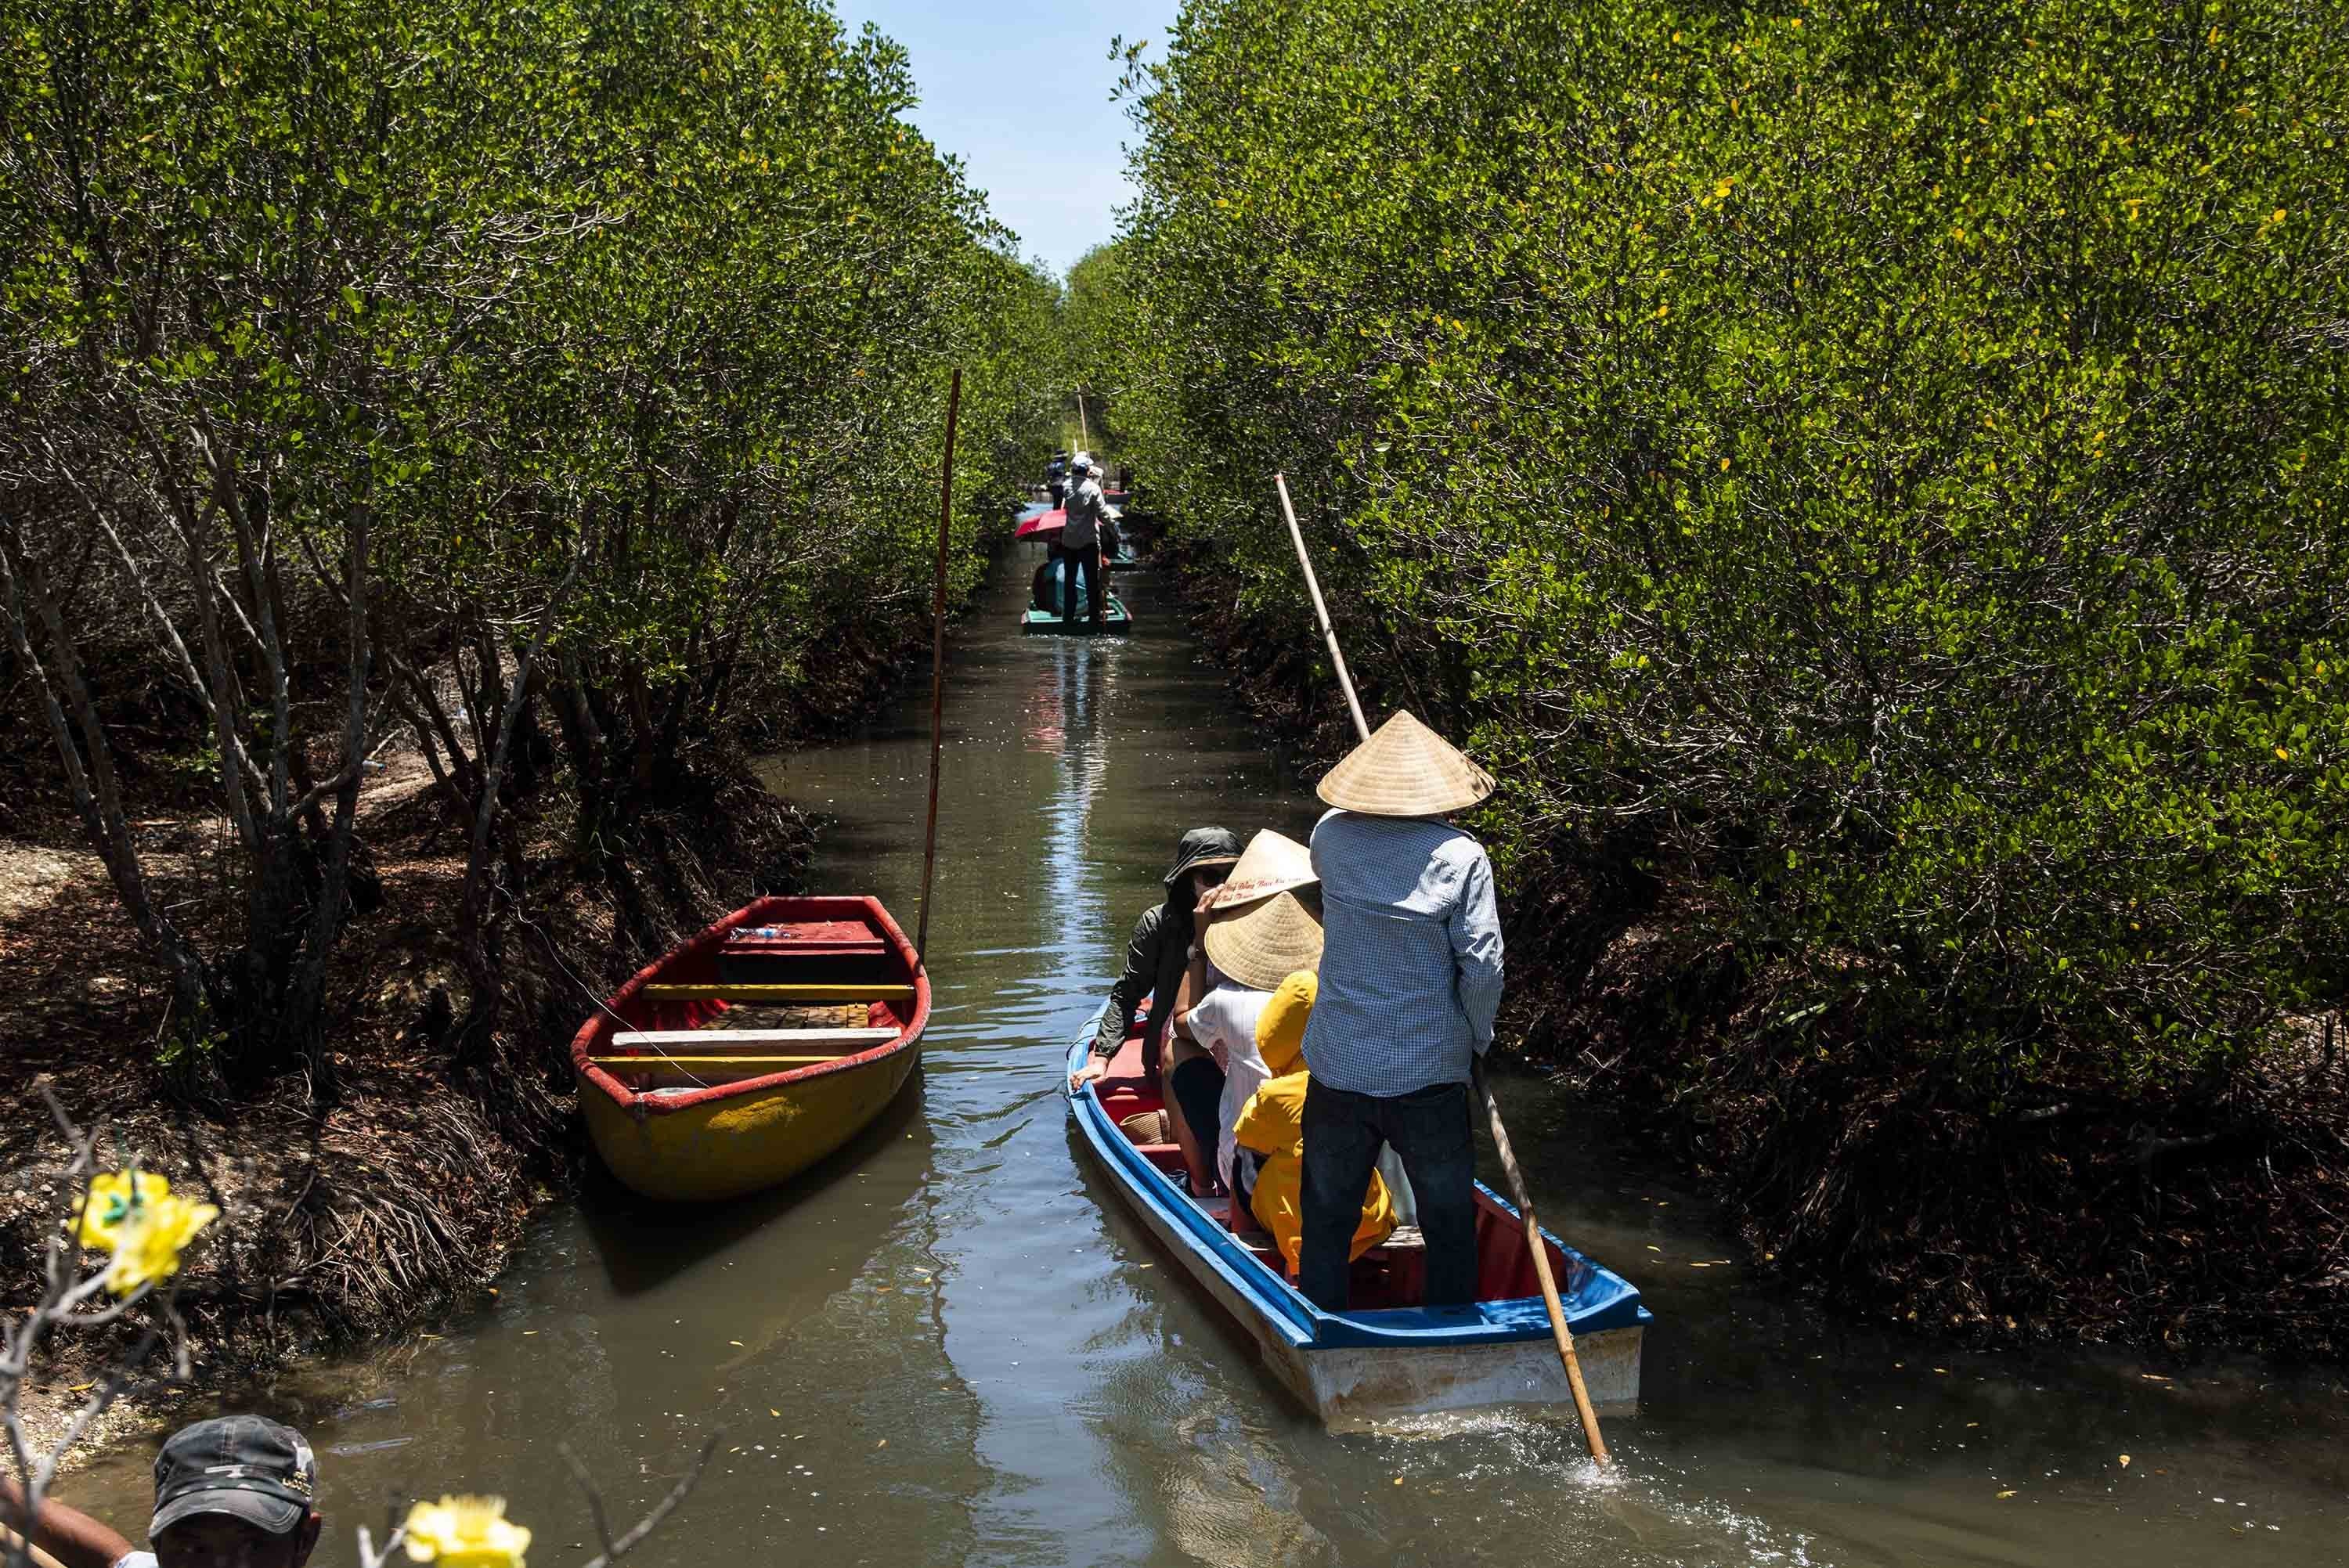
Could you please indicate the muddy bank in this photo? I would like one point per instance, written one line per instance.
(2054, 1209)
(398, 1199)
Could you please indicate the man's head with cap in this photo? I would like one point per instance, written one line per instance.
(236, 1491)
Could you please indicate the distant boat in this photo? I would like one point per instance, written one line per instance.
(1387, 1358)
(683, 1106)
(1115, 621)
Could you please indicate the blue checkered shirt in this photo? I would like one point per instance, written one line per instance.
(1411, 955)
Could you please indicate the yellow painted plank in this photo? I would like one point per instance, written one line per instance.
(808, 991)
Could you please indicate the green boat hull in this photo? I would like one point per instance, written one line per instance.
(1115, 621)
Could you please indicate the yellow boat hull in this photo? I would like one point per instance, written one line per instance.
(724, 1148)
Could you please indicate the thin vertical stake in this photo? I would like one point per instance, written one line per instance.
(938, 669)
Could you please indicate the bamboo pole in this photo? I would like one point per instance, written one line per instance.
(1313, 587)
(1084, 433)
(1516, 1179)
(938, 669)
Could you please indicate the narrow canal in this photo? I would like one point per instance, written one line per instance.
(948, 1345)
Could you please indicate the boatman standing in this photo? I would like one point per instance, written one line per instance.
(1080, 540)
(1409, 982)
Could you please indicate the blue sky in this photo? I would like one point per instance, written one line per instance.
(1019, 91)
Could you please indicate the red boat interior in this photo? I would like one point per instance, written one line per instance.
(1391, 1275)
(761, 999)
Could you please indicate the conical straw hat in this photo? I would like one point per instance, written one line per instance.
(1258, 930)
(1406, 769)
(1263, 943)
(1272, 862)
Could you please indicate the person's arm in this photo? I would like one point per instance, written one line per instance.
(1476, 931)
(1194, 988)
(1117, 1019)
(68, 1534)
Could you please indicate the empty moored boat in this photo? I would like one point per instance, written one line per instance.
(1388, 1357)
(754, 1049)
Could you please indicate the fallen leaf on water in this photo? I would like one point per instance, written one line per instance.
(882, 1444)
(737, 1344)
(1942, 1370)
(1653, 1248)
(528, 1332)
(2124, 1458)
(1700, 1265)
(2006, 1494)
(1398, 1481)
(1149, 1265)
(771, 1411)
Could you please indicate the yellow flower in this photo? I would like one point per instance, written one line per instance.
(148, 1243)
(465, 1532)
(112, 1199)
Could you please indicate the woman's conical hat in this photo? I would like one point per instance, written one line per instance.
(1406, 769)
(1272, 862)
(1258, 931)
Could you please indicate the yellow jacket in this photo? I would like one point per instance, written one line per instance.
(1273, 1124)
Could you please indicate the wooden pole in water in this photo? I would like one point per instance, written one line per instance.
(938, 668)
(1516, 1179)
(1084, 433)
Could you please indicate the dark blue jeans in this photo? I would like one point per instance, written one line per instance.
(1088, 561)
(1428, 1130)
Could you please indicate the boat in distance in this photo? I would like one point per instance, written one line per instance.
(1385, 1358)
(1115, 621)
(752, 1051)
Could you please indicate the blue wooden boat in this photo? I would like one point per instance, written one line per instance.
(1387, 1358)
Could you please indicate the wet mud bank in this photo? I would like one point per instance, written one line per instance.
(2060, 1208)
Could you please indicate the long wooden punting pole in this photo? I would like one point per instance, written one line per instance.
(1534, 1244)
(939, 667)
(1084, 433)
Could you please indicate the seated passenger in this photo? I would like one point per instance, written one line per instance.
(1259, 927)
(1155, 957)
(1272, 1124)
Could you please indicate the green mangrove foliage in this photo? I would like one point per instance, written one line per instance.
(1874, 470)
(552, 386)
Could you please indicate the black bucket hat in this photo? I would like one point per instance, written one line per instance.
(1203, 847)
(247, 1467)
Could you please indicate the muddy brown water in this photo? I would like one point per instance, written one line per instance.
(948, 1345)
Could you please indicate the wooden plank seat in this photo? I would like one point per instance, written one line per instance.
(805, 991)
(707, 1064)
(670, 1041)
